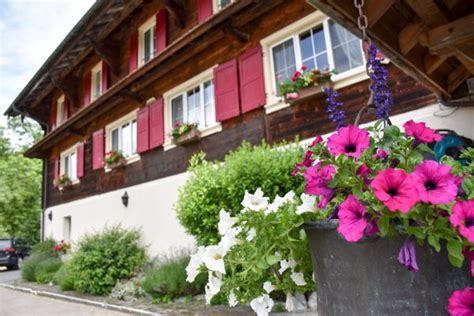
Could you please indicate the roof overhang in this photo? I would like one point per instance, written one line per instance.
(431, 40)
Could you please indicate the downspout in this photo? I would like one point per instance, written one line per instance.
(456, 103)
(44, 185)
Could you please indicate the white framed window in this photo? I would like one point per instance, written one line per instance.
(192, 102)
(96, 81)
(147, 41)
(68, 164)
(60, 108)
(314, 41)
(220, 4)
(121, 135)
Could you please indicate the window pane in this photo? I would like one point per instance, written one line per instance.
(66, 166)
(319, 41)
(98, 83)
(193, 102)
(210, 117)
(337, 33)
(284, 60)
(134, 136)
(224, 3)
(126, 140)
(306, 46)
(312, 44)
(355, 53)
(309, 63)
(346, 47)
(177, 110)
(341, 59)
(60, 114)
(115, 139)
(322, 61)
(147, 45)
(73, 167)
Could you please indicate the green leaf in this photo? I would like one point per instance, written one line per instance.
(468, 186)
(455, 249)
(425, 148)
(434, 242)
(457, 262)
(384, 223)
(272, 259)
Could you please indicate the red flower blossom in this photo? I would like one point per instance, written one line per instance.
(421, 133)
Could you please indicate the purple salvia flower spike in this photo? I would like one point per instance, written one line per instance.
(383, 99)
(334, 108)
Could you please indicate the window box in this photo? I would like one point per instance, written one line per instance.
(189, 137)
(63, 182)
(121, 139)
(114, 159)
(303, 95)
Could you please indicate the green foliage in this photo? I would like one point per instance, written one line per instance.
(165, 280)
(105, 257)
(214, 186)
(46, 248)
(28, 269)
(46, 269)
(20, 196)
(64, 278)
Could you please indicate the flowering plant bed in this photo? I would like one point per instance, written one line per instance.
(63, 181)
(185, 133)
(114, 159)
(62, 247)
(304, 84)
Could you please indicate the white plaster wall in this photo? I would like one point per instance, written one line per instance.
(151, 204)
(150, 208)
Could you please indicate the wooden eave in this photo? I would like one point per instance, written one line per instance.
(199, 37)
(431, 40)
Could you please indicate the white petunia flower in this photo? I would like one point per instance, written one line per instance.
(285, 264)
(256, 201)
(308, 206)
(225, 222)
(230, 238)
(251, 234)
(213, 258)
(268, 287)
(279, 202)
(195, 263)
(298, 278)
(262, 305)
(289, 304)
(232, 299)
(213, 286)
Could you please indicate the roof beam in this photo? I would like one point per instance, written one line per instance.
(428, 10)
(457, 77)
(410, 36)
(108, 51)
(375, 9)
(432, 62)
(230, 29)
(177, 11)
(68, 86)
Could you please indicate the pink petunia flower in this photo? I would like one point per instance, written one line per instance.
(350, 141)
(364, 172)
(469, 254)
(395, 189)
(352, 219)
(421, 133)
(381, 154)
(317, 140)
(317, 180)
(462, 217)
(292, 95)
(461, 302)
(434, 182)
(307, 162)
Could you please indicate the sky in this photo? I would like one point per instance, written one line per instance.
(30, 30)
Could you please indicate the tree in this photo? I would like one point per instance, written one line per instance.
(20, 181)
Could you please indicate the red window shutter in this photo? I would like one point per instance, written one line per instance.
(105, 77)
(87, 89)
(56, 171)
(204, 9)
(53, 118)
(252, 82)
(80, 160)
(67, 108)
(133, 62)
(226, 90)
(161, 31)
(143, 127)
(98, 149)
(157, 132)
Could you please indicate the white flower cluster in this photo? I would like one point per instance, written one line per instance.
(212, 257)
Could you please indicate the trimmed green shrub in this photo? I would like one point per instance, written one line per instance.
(45, 247)
(165, 280)
(213, 186)
(105, 257)
(28, 268)
(64, 278)
(45, 270)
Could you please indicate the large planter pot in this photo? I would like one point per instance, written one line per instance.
(365, 278)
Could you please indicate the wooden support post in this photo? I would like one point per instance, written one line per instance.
(68, 87)
(134, 97)
(177, 10)
(410, 36)
(240, 35)
(109, 52)
(376, 9)
(432, 62)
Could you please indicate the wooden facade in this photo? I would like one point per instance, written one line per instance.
(194, 45)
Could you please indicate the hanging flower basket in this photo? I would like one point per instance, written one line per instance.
(366, 278)
(114, 159)
(185, 133)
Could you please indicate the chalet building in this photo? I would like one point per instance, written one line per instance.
(129, 70)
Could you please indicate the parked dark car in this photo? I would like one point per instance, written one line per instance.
(12, 252)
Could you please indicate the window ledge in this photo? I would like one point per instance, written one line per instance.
(130, 160)
(204, 133)
(353, 76)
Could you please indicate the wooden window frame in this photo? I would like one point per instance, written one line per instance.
(293, 31)
(182, 89)
(60, 107)
(62, 163)
(130, 117)
(149, 24)
(94, 71)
